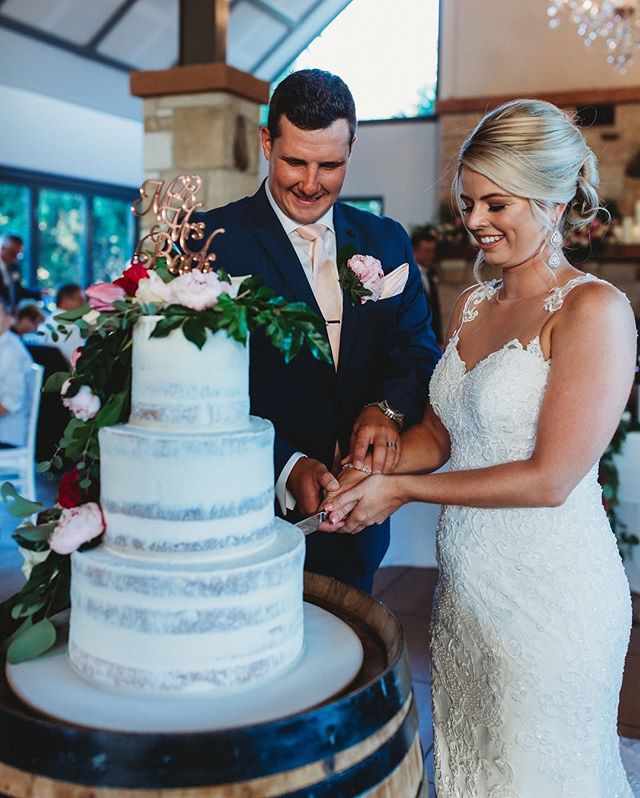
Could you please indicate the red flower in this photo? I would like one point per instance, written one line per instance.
(131, 277)
(70, 493)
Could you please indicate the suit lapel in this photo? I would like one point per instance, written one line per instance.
(345, 234)
(278, 249)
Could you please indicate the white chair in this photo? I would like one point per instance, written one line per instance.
(17, 465)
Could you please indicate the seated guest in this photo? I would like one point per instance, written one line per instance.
(27, 319)
(68, 297)
(11, 289)
(15, 363)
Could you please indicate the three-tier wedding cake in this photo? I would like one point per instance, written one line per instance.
(196, 586)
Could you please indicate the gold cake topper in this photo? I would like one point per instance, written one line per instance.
(174, 230)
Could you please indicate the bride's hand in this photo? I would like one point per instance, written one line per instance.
(371, 501)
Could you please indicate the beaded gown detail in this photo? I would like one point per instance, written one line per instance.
(532, 612)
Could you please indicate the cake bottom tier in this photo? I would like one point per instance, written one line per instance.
(157, 628)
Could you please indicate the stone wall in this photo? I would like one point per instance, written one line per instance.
(211, 134)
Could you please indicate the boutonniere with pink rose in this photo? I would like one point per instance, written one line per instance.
(363, 277)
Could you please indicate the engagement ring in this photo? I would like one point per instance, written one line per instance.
(392, 444)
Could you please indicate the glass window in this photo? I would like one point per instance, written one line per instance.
(112, 235)
(14, 212)
(62, 229)
(392, 70)
(371, 204)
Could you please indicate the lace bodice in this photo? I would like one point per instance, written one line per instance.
(532, 610)
(491, 411)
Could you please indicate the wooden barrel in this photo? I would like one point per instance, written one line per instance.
(363, 741)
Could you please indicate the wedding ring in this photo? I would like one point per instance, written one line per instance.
(392, 444)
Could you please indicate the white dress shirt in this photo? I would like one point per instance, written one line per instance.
(304, 251)
(15, 362)
(66, 344)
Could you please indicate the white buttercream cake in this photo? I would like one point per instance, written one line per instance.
(196, 587)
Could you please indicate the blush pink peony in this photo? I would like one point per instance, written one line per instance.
(102, 296)
(76, 525)
(197, 290)
(369, 271)
(84, 405)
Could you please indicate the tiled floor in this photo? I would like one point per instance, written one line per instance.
(409, 591)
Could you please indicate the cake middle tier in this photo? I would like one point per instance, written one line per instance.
(187, 495)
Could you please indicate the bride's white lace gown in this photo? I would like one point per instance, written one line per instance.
(532, 614)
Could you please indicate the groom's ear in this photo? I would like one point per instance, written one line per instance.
(353, 141)
(265, 141)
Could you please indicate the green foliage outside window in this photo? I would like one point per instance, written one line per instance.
(14, 211)
(61, 225)
(112, 234)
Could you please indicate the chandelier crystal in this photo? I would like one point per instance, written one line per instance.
(615, 21)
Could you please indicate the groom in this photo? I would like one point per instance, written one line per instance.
(292, 233)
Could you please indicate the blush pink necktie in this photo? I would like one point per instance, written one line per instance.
(326, 286)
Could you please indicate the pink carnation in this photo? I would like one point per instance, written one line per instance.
(84, 405)
(102, 296)
(369, 271)
(197, 290)
(76, 525)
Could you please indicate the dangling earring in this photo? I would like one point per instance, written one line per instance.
(555, 243)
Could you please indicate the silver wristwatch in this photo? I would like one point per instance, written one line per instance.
(394, 415)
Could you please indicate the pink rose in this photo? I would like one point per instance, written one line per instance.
(75, 356)
(197, 290)
(103, 295)
(76, 525)
(369, 271)
(84, 405)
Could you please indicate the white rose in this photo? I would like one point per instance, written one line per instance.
(91, 317)
(31, 558)
(153, 289)
(84, 405)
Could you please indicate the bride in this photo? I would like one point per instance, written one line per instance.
(532, 612)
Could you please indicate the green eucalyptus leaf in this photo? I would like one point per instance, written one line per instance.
(27, 609)
(32, 642)
(194, 331)
(111, 412)
(56, 381)
(162, 270)
(28, 621)
(17, 505)
(34, 532)
(165, 326)
(72, 315)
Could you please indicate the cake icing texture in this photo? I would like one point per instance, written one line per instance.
(196, 587)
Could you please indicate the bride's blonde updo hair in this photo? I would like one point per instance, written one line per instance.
(534, 150)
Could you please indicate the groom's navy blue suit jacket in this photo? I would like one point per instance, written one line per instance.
(387, 351)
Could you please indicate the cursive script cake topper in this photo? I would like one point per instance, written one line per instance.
(171, 236)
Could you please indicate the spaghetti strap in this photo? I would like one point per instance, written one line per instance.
(478, 295)
(555, 298)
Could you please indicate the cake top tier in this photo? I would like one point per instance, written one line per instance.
(176, 386)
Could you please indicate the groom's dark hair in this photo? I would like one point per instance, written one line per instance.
(311, 99)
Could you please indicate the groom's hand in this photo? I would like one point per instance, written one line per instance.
(373, 429)
(308, 481)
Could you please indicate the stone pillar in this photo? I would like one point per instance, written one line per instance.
(203, 119)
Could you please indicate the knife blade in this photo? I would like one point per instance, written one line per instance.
(310, 525)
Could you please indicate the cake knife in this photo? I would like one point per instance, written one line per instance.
(310, 525)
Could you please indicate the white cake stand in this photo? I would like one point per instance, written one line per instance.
(50, 686)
